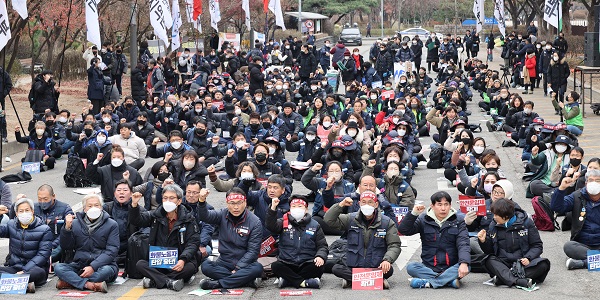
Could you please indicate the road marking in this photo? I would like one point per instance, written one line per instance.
(77, 207)
(410, 244)
(443, 186)
(135, 293)
(4, 242)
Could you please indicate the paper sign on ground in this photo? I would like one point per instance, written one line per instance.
(163, 257)
(593, 260)
(471, 203)
(295, 293)
(73, 294)
(14, 283)
(227, 292)
(199, 292)
(31, 167)
(367, 279)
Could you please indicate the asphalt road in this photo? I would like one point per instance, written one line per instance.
(560, 283)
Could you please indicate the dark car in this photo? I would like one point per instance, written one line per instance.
(351, 36)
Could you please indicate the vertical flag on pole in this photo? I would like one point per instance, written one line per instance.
(91, 21)
(266, 6)
(275, 7)
(21, 7)
(197, 9)
(215, 14)
(157, 20)
(552, 13)
(479, 14)
(176, 14)
(499, 15)
(192, 11)
(246, 8)
(4, 26)
(167, 13)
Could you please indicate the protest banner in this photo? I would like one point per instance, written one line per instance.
(14, 283)
(163, 257)
(367, 279)
(593, 259)
(472, 203)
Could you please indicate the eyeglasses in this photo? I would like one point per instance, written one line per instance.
(497, 193)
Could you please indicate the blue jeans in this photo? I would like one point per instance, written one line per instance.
(228, 280)
(70, 274)
(67, 146)
(437, 280)
(574, 130)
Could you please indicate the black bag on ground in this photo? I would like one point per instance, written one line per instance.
(75, 173)
(337, 254)
(138, 248)
(436, 158)
(19, 177)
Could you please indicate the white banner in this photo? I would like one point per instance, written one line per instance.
(4, 26)
(176, 14)
(189, 13)
(479, 14)
(21, 7)
(91, 21)
(246, 8)
(215, 14)
(167, 13)
(260, 36)
(552, 13)
(157, 20)
(499, 15)
(275, 7)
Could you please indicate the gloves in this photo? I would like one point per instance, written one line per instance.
(470, 217)
(460, 165)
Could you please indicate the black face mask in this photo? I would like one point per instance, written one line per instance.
(129, 105)
(88, 132)
(119, 51)
(49, 123)
(466, 141)
(200, 131)
(163, 176)
(254, 127)
(575, 162)
(141, 122)
(260, 157)
(230, 115)
(337, 153)
(491, 169)
(266, 125)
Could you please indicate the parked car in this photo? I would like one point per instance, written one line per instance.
(351, 35)
(410, 33)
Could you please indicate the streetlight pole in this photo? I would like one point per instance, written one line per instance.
(300, 16)
(455, 18)
(382, 18)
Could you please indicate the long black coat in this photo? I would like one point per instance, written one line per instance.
(138, 88)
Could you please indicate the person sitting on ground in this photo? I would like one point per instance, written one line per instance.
(107, 176)
(133, 146)
(169, 217)
(30, 244)
(382, 247)
(301, 261)
(583, 203)
(40, 139)
(512, 238)
(551, 162)
(94, 237)
(445, 262)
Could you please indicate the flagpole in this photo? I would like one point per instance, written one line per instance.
(62, 60)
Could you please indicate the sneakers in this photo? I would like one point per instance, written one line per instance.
(313, 283)
(490, 126)
(148, 283)
(418, 283)
(176, 285)
(525, 92)
(62, 285)
(31, 288)
(282, 283)
(255, 283)
(575, 264)
(386, 284)
(346, 284)
(191, 279)
(99, 287)
(209, 284)
(496, 281)
(455, 283)
(524, 282)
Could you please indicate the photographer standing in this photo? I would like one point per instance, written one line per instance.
(45, 95)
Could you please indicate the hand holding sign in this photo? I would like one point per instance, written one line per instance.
(470, 217)
(319, 261)
(385, 266)
(179, 266)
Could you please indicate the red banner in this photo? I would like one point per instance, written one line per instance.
(472, 203)
(367, 279)
(267, 247)
(73, 294)
(227, 292)
(295, 293)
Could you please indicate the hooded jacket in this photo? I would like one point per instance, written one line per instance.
(28, 247)
(261, 202)
(558, 72)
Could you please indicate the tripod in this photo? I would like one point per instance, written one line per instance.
(505, 76)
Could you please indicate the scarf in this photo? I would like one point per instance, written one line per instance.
(93, 225)
(356, 61)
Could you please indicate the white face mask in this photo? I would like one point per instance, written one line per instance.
(39, 132)
(100, 139)
(238, 112)
(278, 87)
(176, 145)
(555, 58)
(25, 217)
(106, 120)
(396, 120)
(188, 164)
(297, 213)
(323, 83)
(115, 162)
(258, 99)
(246, 175)
(169, 206)
(198, 110)
(326, 124)
(271, 151)
(537, 127)
(313, 87)
(335, 175)
(527, 110)
(391, 159)
(560, 148)
(392, 173)
(270, 86)
(310, 137)
(373, 97)
(93, 213)
(168, 109)
(401, 132)
(240, 144)
(593, 188)
(367, 210)
(62, 120)
(487, 187)
(478, 149)
(352, 132)
(548, 47)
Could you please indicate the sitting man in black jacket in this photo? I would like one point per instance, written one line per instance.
(143, 129)
(107, 176)
(171, 225)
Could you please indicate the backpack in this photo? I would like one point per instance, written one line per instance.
(31, 96)
(145, 57)
(138, 248)
(337, 253)
(22, 176)
(543, 217)
(436, 158)
(75, 173)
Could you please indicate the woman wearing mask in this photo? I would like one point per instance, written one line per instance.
(333, 182)
(359, 63)
(101, 144)
(312, 113)
(96, 83)
(462, 148)
(30, 244)
(277, 156)
(572, 113)
(529, 71)
(167, 119)
(188, 169)
(107, 176)
(551, 162)
(325, 127)
(418, 110)
(260, 160)
(246, 174)
(40, 139)
(490, 162)
(355, 128)
(392, 184)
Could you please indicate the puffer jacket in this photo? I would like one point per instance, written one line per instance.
(442, 246)
(96, 249)
(337, 53)
(384, 63)
(239, 243)
(45, 96)
(261, 202)
(307, 63)
(558, 73)
(95, 83)
(120, 213)
(29, 247)
(185, 235)
(301, 241)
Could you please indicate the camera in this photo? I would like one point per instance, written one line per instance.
(504, 68)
